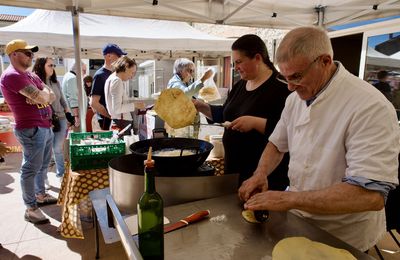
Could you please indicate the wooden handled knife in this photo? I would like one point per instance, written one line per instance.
(186, 221)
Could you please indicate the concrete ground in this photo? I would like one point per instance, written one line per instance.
(23, 240)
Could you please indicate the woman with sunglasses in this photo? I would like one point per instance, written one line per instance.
(253, 107)
(44, 69)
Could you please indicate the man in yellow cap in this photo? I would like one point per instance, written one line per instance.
(29, 99)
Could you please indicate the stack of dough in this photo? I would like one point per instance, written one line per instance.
(301, 248)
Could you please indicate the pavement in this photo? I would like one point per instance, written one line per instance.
(23, 240)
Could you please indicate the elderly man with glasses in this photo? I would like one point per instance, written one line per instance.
(343, 138)
(29, 99)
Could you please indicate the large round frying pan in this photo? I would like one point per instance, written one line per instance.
(172, 164)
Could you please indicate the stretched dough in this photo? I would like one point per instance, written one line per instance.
(176, 109)
(301, 248)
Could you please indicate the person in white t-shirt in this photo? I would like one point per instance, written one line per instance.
(343, 138)
(117, 102)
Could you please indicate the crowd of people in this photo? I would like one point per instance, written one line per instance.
(343, 150)
(44, 110)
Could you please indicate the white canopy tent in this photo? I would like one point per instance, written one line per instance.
(256, 13)
(56, 35)
(52, 32)
(376, 58)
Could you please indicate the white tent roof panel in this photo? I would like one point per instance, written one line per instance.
(257, 13)
(54, 28)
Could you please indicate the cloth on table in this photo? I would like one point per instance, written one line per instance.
(218, 164)
(73, 198)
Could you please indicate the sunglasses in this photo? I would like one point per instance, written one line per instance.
(297, 77)
(27, 53)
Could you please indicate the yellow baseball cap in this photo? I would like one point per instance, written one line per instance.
(19, 44)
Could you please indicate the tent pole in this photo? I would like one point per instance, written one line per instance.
(1, 64)
(321, 13)
(81, 100)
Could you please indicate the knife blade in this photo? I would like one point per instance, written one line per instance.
(186, 221)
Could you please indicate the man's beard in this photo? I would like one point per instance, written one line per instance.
(27, 64)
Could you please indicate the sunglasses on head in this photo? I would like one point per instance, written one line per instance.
(27, 53)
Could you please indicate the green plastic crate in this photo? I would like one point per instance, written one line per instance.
(87, 157)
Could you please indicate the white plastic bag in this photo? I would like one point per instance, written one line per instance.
(210, 91)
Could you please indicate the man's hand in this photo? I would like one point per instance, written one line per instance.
(3, 149)
(270, 200)
(99, 108)
(255, 184)
(70, 118)
(30, 101)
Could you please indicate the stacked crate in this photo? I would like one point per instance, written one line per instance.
(93, 156)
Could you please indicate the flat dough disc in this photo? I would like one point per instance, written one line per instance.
(175, 108)
(248, 215)
(301, 248)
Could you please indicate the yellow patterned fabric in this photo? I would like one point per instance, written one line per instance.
(218, 164)
(74, 199)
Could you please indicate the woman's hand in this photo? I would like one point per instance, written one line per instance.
(207, 75)
(243, 124)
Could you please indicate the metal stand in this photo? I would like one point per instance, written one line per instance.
(394, 238)
(96, 234)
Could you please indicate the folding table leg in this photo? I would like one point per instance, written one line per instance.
(96, 234)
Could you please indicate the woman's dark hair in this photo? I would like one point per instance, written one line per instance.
(250, 45)
(87, 79)
(39, 70)
(87, 89)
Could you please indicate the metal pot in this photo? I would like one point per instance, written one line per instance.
(174, 164)
(127, 184)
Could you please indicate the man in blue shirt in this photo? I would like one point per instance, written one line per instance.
(111, 53)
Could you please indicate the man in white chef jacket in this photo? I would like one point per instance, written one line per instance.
(343, 138)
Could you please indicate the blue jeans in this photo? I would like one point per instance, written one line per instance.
(58, 146)
(36, 151)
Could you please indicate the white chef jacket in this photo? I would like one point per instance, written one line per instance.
(350, 129)
(117, 102)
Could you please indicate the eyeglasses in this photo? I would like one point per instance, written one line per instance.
(296, 78)
(52, 65)
(27, 53)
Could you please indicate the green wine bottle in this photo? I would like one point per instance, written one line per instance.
(150, 216)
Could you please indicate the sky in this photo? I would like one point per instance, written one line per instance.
(15, 10)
